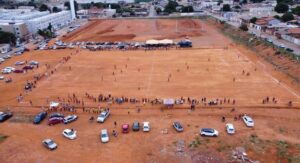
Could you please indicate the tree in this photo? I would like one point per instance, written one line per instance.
(281, 8)
(256, 1)
(67, 4)
(187, 9)
(296, 10)
(290, 2)
(287, 17)
(7, 38)
(219, 2)
(43, 7)
(277, 17)
(244, 27)
(253, 20)
(50, 27)
(226, 8)
(171, 6)
(158, 10)
(56, 9)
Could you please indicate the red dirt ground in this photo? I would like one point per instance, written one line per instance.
(210, 74)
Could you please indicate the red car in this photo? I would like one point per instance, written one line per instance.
(125, 128)
(29, 67)
(55, 120)
(18, 71)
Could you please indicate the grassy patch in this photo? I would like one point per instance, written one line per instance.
(3, 137)
(282, 149)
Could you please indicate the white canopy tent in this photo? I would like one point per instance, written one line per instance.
(152, 42)
(54, 104)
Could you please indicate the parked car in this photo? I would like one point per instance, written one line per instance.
(230, 128)
(38, 118)
(104, 136)
(49, 144)
(125, 128)
(19, 63)
(146, 126)
(5, 116)
(70, 118)
(18, 71)
(70, 134)
(248, 121)
(101, 118)
(2, 77)
(136, 126)
(6, 71)
(28, 67)
(33, 62)
(269, 40)
(209, 132)
(6, 56)
(282, 46)
(55, 120)
(289, 50)
(56, 115)
(178, 127)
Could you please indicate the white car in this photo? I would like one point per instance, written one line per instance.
(6, 56)
(2, 77)
(69, 133)
(282, 46)
(50, 144)
(209, 132)
(19, 63)
(146, 126)
(230, 128)
(101, 118)
(2, 60)
(104, 136)
(6, 71)
(33, 62)
(70, 118)
(10, 68)
(248, 121)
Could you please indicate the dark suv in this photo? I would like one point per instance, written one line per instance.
(38, 118)
(5, 116)
(136, 126)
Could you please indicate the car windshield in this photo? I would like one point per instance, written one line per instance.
(70, 133)
(50, 142)
(102, 115)
(104, 135)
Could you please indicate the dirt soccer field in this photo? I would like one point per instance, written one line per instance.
(214, 68)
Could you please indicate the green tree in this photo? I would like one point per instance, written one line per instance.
(287, 17)
(296, 10)
(7, 38)
(290, 2)
(253, 20)
(158, 10)
(244, 27)
(281, 8)
(43, 7)
(171, 6)
(256, 1)
(67, 4)
(226, 8)
(56, 9)
(187, 9)
(277, 17)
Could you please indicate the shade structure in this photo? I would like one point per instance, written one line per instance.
(166, 42)
(152, 42)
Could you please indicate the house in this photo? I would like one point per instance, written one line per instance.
(292, 35)
(262, 24)
(4, 48)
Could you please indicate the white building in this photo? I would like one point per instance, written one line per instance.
(57, 20)
(104, 1)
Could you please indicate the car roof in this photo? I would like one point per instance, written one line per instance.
(104, 131)
(206, 129)
(67, 130)
(47, 140)
(146, 123)
(229, 125)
